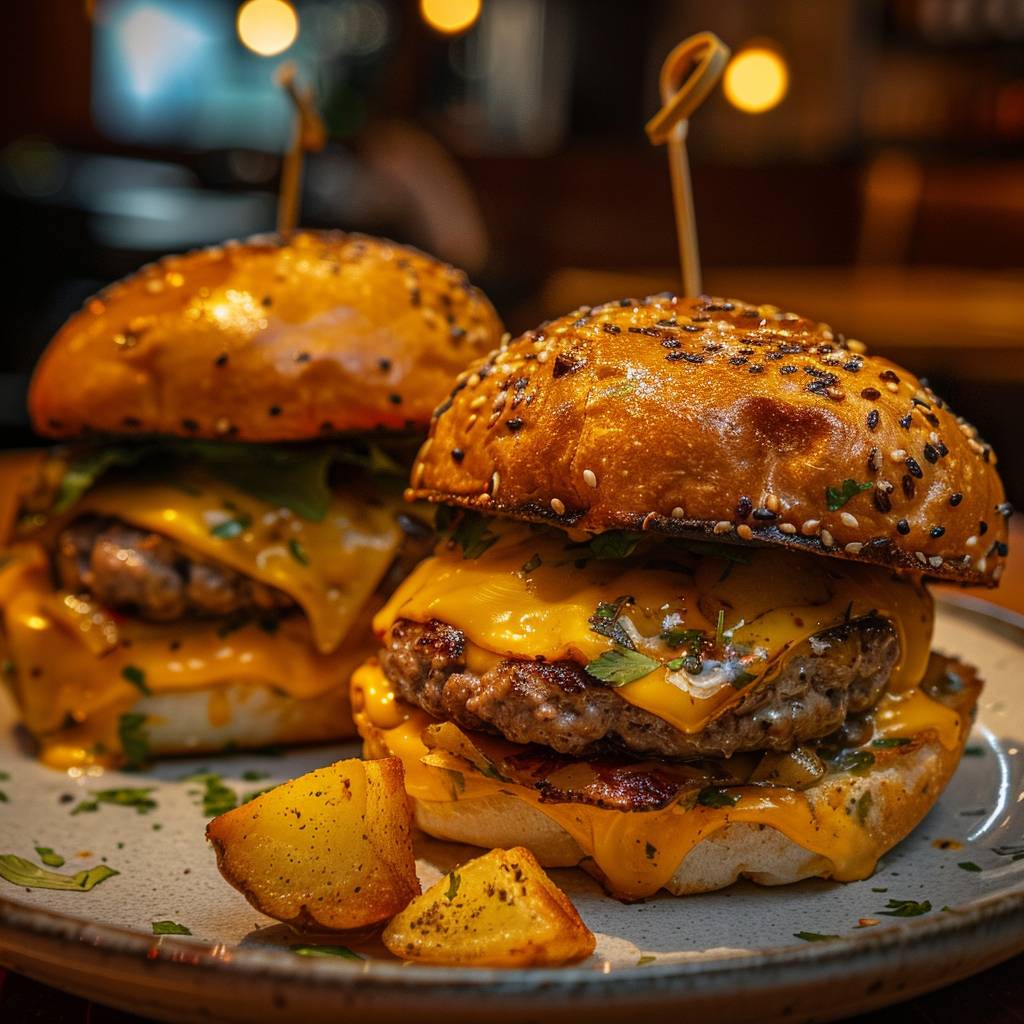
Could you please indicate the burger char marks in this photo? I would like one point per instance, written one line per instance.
(557, 705)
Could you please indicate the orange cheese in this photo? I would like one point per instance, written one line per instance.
(621, 843)
(772, 601)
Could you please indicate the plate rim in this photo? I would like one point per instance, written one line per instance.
(277, 964)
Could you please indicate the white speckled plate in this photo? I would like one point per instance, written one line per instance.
(729, 956)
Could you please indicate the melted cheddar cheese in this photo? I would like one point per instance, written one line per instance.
(530, 596)
(620, 843)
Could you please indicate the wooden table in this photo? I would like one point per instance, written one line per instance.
(994, 997)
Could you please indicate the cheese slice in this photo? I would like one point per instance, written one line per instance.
(530, 596)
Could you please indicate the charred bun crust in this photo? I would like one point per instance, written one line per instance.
(265, 340)
(708, 416)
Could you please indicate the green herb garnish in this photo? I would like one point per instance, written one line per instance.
(645, 960)
(169, 928)
(837, 497)
(720, 628)
(618, 667)
(254, 776)
(864, 802)
(974, 751)
(340, 951)
(231, 528)
(131, 730)
(891, 741)
(906, 908)
(454, 881)
(127, 796)
(605, 622)
(19, 871)
(814, 937)
(857, 762)
(135, 675)
(49, 858)
(714, 797)
(473, 535)
(613, 544)
(968, 865)
(676, 638)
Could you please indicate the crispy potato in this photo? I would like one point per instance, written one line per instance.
(330, 849)
(500, 910)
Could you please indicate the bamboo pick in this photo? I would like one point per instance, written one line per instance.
(307, 134)
(687, 77)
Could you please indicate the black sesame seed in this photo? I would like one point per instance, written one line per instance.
(955, 499)
(189, 424)
(763, 513)
(904, 421)
(914, 467)
(744, 507)
(871, 394)
(937, 531)
(274, 410)
(903, 526)
(625, 302)
(908, 486)
(458, 454)
(221, 360)
(267, 300)
(457, 333)
(737, 360)
(853, 366)
(670, 343)
(982, 528)
(668, 323)
(636, 330)
(756, 368)
(395, 399)
(1001, 549)
(882, 500)
(514, 424)
(611, 328)
(872, 419)
(931, 453)
(889, 375)
(689, 357)
(302, 357)
(692, 328)
(565, 364)
(941, 448)
(1005, 509)
(788, 369)
(384, 365)
(774, 357)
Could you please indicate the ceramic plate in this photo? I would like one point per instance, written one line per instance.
(730, 956)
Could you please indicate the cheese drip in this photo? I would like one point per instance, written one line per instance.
(507, 603)
(620, 843)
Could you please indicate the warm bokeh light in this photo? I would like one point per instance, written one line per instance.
(267, 27)
(450, 16)
(756, 79)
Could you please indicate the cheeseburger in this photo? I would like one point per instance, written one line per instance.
(678, 632)
(195, 567)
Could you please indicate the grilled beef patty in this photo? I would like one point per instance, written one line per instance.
(558, 705)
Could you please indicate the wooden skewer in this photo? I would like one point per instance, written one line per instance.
(688, 75)
(308, 134)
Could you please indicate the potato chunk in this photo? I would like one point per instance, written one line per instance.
(500, 910)
(330, 849)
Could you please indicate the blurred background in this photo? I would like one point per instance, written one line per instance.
(863, 162)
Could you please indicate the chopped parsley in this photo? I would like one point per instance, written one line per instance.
(19, 871)
(814, 937)
(864, 803)
(645, 960)
(298, 552)
(216, 797)
(49, 858)
(340, 951)
(720, 628)
(231, 528)
(714, 797)
(857, 762)
(254, 776)
(131, 730)
(454, 881)
(968, 865)
(605, 622)
(1014, 852)
(676, 638)
(139, 798)
(837, 497)
(891, 741)
(169, 928)
(137, 677)
(974, 751)
(906, 908)
(613, 544)
(618, 667)
(473, 535)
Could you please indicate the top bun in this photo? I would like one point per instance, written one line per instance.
(707, 416)
(265, 340)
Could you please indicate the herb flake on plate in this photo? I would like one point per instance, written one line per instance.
(714, 797)
(137, 677)
(906, 908)
(618, 667)
(19, 871)
(814, 937)
(169, 928)
(837, 497)
(339, 951)
(48, 857)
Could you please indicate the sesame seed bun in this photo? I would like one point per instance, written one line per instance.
(713, 417)
(265, 340)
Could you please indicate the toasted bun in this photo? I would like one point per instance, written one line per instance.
(265, 340)
(888, 800)
(706, 416)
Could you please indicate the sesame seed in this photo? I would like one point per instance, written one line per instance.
(810, 527)
(997, 572)
(745, 531)
(849, 520)
(971, 541)
(772, 503)
(473, 381)
(471, 419)
(557, 507)
(898, 454)
(937, 531)
(981, 565)
(827, 539)
(856, 346)
(478, 401)
(495, 480)
(903, 527)
(853, 548)
(589, 478)
(222, 426)
(935, 561)
(723, 526)
(787, 528)
(418, 474)
(542, 357)
(458, 454)
(678, 513)
(872, 419)
(921, 557)
(892, 387)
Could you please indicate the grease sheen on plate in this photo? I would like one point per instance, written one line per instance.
(947, 901)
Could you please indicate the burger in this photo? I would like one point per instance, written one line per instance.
(677, 630)
(195, 566)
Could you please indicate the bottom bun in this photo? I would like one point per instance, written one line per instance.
(838, 828)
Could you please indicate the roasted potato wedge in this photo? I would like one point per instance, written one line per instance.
(500, 910)
(330, 849)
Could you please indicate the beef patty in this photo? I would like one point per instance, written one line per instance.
(843, 672)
